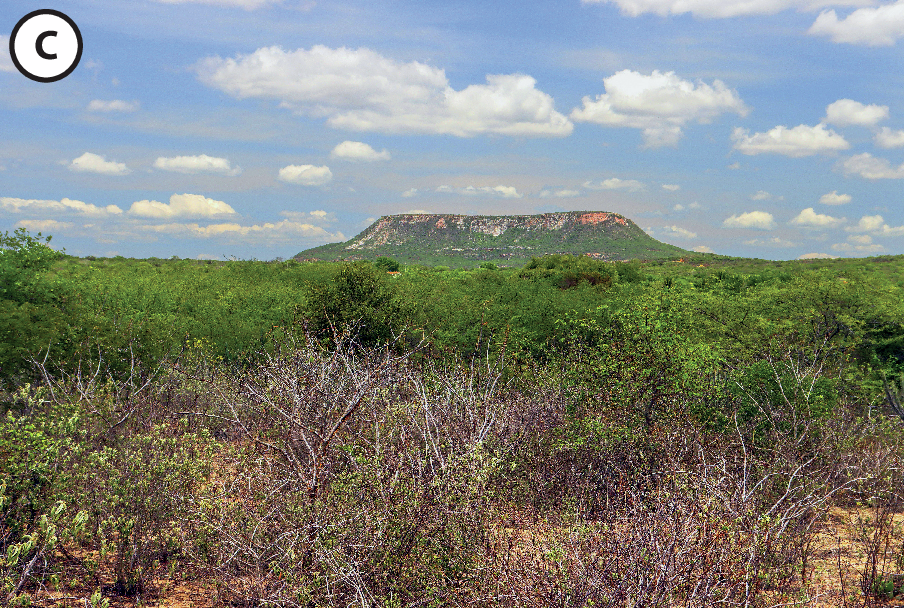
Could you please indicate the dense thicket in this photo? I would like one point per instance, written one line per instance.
(570, 433)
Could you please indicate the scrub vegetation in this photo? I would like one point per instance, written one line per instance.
(704, 431)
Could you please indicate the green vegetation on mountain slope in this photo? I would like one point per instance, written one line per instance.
(461, 241)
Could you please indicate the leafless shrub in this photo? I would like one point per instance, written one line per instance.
(356, 478)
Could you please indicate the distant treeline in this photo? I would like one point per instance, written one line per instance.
(143, 311)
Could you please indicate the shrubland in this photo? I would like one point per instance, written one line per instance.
(568, 433)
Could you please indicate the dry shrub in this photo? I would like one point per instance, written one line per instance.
(357, 478)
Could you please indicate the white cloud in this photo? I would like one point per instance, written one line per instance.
(867, 223)
(93, 163)
(720, 8)
(702, 249)
(846, 112)
(860, 239)
(45, 226)
(115, 105)
(752, 219)
(410, 193)
(659, 104)
(833, 198)
(872, 26)
(799, 141)
(306, 175)
(317, 217)
(6, 63)
(197, 164)
(671, 187)
(282, 231)
(876, 224)
(677, 231)
(361, 90)
(886, 138)
(816, 256)
(245, 4)
(498, 191)
(17, 205)
(181, 205)
(356, 150)
(762, 195)
(614, 183)
(869, 167)
(564, 193)
(809, 218)
(859, 244)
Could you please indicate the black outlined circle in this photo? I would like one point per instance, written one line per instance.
(38, 44)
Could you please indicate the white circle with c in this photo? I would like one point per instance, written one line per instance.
(45, 45)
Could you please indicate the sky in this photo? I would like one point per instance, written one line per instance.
(220, 129)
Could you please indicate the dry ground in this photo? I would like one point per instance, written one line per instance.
(836, 564)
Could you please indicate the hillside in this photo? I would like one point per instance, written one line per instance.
(508, 240)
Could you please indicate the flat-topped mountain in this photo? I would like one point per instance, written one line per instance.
(508, 240)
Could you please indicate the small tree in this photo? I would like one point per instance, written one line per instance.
(387, 264)
(358, 296)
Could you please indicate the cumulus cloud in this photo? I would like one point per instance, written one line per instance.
(317, 217)
(6, 63)
(614, 183)
(18, 205)
(360, 90)
(497, 191)
(702, 249)
(359, 151)
(833, 198)
(114, 105)
(197, 164)
(846, 112)
(671, 187)
(411, 192)
(720, 8)
(245, 4)
(306, 175)
(762, 195)
(44, 225)
(677, 231)
(859, 244)
(870, 26)
(181, 205)
(886, 138)
(809, 218)
(876, 224)
(93, 163)
(869, 167)
(752, 219)
(659, 104)
(816, 256)
(799, 141)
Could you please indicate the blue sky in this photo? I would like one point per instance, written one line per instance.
(259, 128)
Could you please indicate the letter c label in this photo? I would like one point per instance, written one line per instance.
(39, 45)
